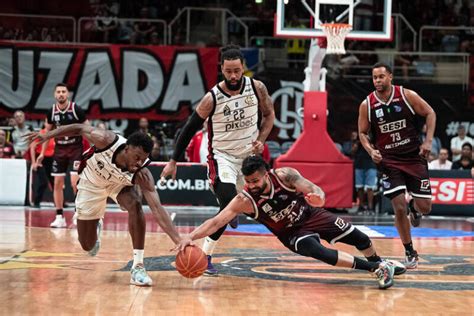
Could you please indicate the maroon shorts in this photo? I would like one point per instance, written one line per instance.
(411, 176)
(64, 157)
(320, 223)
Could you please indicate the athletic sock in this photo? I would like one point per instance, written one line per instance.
(59, 211)
(361, 264)
(374, 258)
(137, 257)
(209, 245)
(408, 247)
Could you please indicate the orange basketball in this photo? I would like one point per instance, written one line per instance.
(191, 262)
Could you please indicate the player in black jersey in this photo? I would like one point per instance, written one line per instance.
(390, 115)
(68, 150)
(290, 207)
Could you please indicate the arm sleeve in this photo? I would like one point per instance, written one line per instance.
(193, 125)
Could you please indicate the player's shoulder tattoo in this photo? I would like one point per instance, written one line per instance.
(288, 175)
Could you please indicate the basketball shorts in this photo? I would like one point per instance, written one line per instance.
(91, 200)
(226, 168)
(322, 224)
(400, 177)
(64, 157)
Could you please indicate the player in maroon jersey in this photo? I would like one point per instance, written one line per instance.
(290, 207)
(389, 131)
(68, 150)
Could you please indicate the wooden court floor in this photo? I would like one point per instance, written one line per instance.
(44, 272)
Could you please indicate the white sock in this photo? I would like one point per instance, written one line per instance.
(137, 257)
(208, 246)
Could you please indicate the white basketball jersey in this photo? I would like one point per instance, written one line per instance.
(233, 125)
(99, 168)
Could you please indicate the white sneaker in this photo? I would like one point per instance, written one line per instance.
(59, 222)
(139, 276)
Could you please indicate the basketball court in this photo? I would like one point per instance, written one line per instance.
(44, 271)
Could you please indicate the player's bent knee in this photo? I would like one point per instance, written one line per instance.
(357, 239)
(311, 247)
(423, 206)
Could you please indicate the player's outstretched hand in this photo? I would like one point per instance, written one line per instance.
(35, 136)
(168, 170)
(257, 147)
(315, 200)
(185, 241)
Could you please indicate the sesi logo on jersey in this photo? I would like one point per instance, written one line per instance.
(393, 126)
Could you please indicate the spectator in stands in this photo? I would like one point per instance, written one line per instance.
(442, 163)
(404, 61)
(6, 148)
(365, 177)
(465, 162)
(19, 143)
(154, 40)
(155, 154)
(143, 29)
(435, 145)
(42, 177)
(107, 26)
(143, 126)
(458, 141)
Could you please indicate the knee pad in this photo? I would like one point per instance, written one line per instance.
(357, 239)
(224, 192)
(311, 247)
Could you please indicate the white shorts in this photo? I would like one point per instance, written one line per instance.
(226, 168)
(91, 201)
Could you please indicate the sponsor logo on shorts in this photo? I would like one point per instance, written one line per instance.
(425, 184)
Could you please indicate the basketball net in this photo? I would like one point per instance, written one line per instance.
(336, 34)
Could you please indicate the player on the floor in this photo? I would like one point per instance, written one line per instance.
(390, 115)
(233, 107)
(111, 168)
(290, 207)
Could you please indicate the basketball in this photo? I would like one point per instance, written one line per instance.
(191, 262)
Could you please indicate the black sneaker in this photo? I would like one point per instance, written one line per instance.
(415, 216)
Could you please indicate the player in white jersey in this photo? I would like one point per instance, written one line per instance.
(233, 107)
(111, 168)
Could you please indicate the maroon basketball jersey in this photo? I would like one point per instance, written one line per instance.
(281, 209)
(393, 125)
(70, 115)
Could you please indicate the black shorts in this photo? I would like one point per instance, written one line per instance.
(398, 177)
(65, 156)
(320, 223)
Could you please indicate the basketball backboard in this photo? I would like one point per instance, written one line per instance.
(370, 19)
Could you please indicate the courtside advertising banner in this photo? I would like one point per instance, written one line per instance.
(108, 82)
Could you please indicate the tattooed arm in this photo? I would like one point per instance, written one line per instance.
(265, 105)
(314, 195)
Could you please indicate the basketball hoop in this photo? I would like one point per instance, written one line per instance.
(336, 34)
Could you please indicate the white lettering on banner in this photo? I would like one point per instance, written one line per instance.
(133, 64)
(186, 82)
(16, 85)
(294, 90)
(452, 191)
(452, 128)
(184, 184)
(57, 65)
(97, 81)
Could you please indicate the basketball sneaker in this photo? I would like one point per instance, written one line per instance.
(234, 223)
(93, 252)
(384, 275)
(210, 271)
(59, 222)
(139, 276)
(411, 259)
(399, 268)
(415, 216)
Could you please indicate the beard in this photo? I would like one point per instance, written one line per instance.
(235, 86)
(259, 191)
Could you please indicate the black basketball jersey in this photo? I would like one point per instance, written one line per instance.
(282, 209)
(70, 115)
(394, 125)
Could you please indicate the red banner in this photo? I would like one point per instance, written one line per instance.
(452, 191)
(113, 81)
